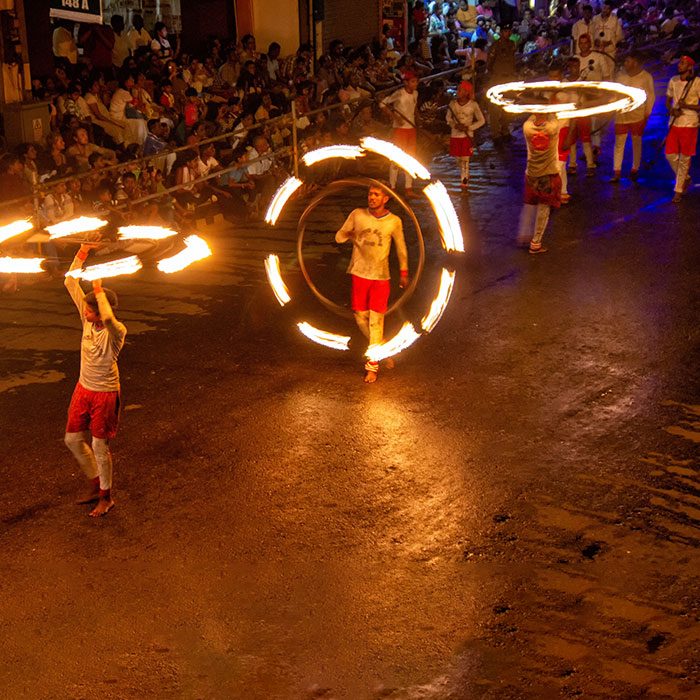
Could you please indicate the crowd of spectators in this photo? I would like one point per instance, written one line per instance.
(118, 96)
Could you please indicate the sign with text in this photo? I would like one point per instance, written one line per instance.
(77, 10)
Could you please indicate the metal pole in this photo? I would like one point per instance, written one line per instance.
(295, 142)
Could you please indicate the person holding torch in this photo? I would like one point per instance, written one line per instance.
(94, 407)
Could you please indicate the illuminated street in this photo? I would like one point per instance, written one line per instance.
(511, 512)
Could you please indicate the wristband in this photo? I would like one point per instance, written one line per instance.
(404, 273)
(97, 290)
(82, 255)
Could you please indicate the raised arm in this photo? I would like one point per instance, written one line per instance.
(72, 284)
(346, 230)
(116, 330)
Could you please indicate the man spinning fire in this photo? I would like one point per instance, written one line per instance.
(372, 231)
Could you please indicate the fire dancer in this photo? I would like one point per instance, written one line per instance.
(542, 181)
(371, 231)
(682, 98)
(401, 106)
(94, 407)
(464, 117)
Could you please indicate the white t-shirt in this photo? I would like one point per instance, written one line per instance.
(596, 66)
(468, 114)
(542, 147)
(120, 50)
(117, 106)
(405, 103)
(136, 39)
(676, 88)
(100, 347)
(578, 30)
(644, 81)
(605, 30)
(371, 243)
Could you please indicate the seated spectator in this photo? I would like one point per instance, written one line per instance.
(100, 115)
(54, 159)
(56, 206)
(122, 111)
(82, 149)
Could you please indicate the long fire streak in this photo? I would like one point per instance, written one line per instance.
(450, 230)
(73, 227)
(152, 233)
(402, 340)
(114, 268)
(327, 152)
(284, 192)
(397, 156)
(10, 266)
(196, 248)
(330, 340)
(437, 308)
(14, 229)
(634, 97)
(274, 277)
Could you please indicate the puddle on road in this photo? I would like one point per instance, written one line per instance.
(26, 378)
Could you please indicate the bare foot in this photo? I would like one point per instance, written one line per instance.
(90, 494)
(104, 505)
(389, 363)
(370, 377)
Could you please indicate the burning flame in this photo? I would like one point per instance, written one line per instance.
(330, 340)
(196, 248)
(154, 233)
(339, 151)
(72, 227)
(11, 266)
(633, 98)
(285, 191)
(402, 340)
(450, 230)
(397, 156)
(430, 320)
(114, 268)
(14, 229)
(274, 277)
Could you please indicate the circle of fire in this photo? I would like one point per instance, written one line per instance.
(450, 235)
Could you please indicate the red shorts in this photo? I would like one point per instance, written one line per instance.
(405, 139)
(461, 146)
(634, 128)
(583, 129)
(683, 140)
(96, 411)
(563, 135)
(370, 295)
(543, 190)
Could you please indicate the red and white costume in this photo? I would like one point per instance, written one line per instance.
(682, 139)
(633, 122)
(464, 120)
(403, 109)
(371, 238)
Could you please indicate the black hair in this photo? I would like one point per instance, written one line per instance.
(91, 299)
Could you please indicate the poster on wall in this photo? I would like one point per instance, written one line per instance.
(77, 10)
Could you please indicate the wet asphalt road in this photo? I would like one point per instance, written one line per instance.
(511, 513)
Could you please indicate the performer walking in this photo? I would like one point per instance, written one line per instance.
(542, 181)
(633, 122)
(94, 407)
(372, 231)
(464, 117)
(682, 98)
(401, 107)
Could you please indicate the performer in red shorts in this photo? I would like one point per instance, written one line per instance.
(371, 231)
(464, 117)
(683, 104)
(94, 407)
(542, 181)
(401, 106)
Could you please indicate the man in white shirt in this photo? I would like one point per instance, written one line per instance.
(682, 102)
(606, 30)
(464, 117)
(582, 26)
(542, 181)
(635, 121)
(401, 107)
(94, 407)
(371, 232)
(137, 36)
